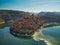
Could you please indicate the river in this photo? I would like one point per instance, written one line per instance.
(46, 36)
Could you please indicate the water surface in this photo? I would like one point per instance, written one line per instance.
(47, 36)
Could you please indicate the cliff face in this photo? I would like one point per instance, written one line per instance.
(27, 25)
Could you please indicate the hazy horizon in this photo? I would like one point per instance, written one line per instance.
(31, 5)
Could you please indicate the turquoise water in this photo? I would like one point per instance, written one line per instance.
(47, 36)
(51, 35)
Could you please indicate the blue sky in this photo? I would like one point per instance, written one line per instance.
(31, 5)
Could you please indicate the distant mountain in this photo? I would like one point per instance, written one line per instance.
(57, 13)
(50, 16)
(46, 13)
(11, 15)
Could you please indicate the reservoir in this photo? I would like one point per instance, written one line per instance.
(46, 36)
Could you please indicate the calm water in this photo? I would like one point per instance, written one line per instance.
(47, 36)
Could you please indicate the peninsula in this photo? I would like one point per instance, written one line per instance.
(26, 26)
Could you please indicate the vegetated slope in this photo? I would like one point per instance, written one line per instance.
(11, 15)
(49, 16)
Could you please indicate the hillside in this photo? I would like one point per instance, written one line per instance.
(25, 23)
(49, 16)
(11, 15)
